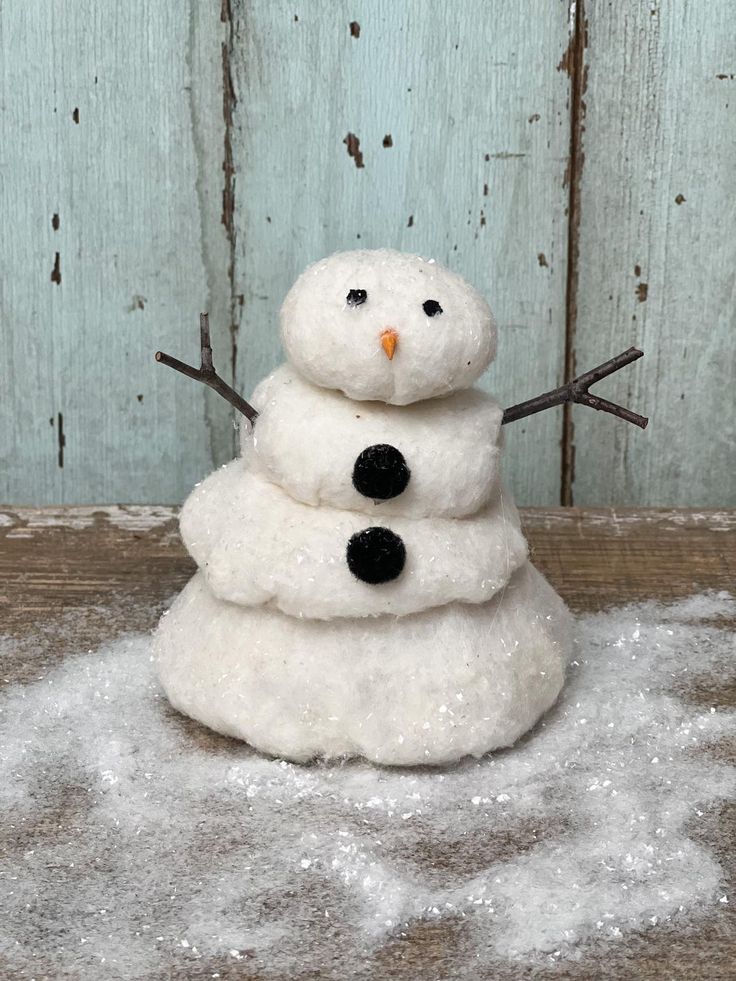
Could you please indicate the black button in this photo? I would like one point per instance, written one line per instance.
(376, 555)
(380, 472)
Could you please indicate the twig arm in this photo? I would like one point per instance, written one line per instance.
(207, 374)
(577, 391)
(544, 401)
(603, 405)
(589, 378)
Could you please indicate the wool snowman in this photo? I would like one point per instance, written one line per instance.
(364, 587)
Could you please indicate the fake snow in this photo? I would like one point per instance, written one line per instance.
(135, 842)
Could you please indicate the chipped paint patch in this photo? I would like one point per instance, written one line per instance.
(352, 142)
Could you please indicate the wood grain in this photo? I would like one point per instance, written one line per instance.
(112, 137)
(473, 173)
(73, 578)
(657, 252)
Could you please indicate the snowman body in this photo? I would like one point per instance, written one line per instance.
(364, 587)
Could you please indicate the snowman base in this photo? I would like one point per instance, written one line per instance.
(427, 688)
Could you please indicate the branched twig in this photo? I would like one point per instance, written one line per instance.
(577, 391)
(206, 372)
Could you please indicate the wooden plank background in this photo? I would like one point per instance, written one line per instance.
(194, 156)
(111, 156)
(657, 246)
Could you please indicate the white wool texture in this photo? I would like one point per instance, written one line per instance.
(257, 545)
(433, 687)
(306, 440)
(336, 345)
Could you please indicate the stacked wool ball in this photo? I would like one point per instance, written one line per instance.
(363, 585)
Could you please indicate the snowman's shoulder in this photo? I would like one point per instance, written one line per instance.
(309, 441)
(283, 384)
(285, 395)
(469, 407)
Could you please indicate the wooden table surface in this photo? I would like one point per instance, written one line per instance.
(118, 567)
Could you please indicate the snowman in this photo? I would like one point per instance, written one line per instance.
(364, 587)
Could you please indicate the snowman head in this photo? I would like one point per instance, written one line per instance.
(387, 326)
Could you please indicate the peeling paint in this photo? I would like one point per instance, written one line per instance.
(55, 222)
(642, 291)
(534, 118)
(388, 141)
(61, 439)
(637, 270)
(56, 271)
(352, 142)
(573, 62)
(229, 102)
(354, 29)
(565, 63)
(75, 115)
(680, 199)
(569, 61)
(138, 303)
(542, 259)
(410, 222)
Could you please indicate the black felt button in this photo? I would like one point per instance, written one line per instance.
(376, 555)
(380, 472)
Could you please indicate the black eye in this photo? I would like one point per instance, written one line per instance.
(431, 308)
(356, 297)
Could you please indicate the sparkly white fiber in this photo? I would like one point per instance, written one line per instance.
(258, 546)
(132, 850)
(307, 440)
(454, 681)
(337, 346)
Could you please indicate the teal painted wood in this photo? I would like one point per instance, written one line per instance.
(658, 253)
(112, 141)
(476, 110)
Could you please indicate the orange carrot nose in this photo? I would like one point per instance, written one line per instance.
(389, 339)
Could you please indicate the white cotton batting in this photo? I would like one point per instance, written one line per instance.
(256, 545)
(429, 688)
(307, 440)
(334, 317)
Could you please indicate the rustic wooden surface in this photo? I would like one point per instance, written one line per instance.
(657, 251)
(117, 567)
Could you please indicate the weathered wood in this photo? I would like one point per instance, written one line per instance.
(657, 252)
(112, 136)
(73, 578)
(434, 128)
